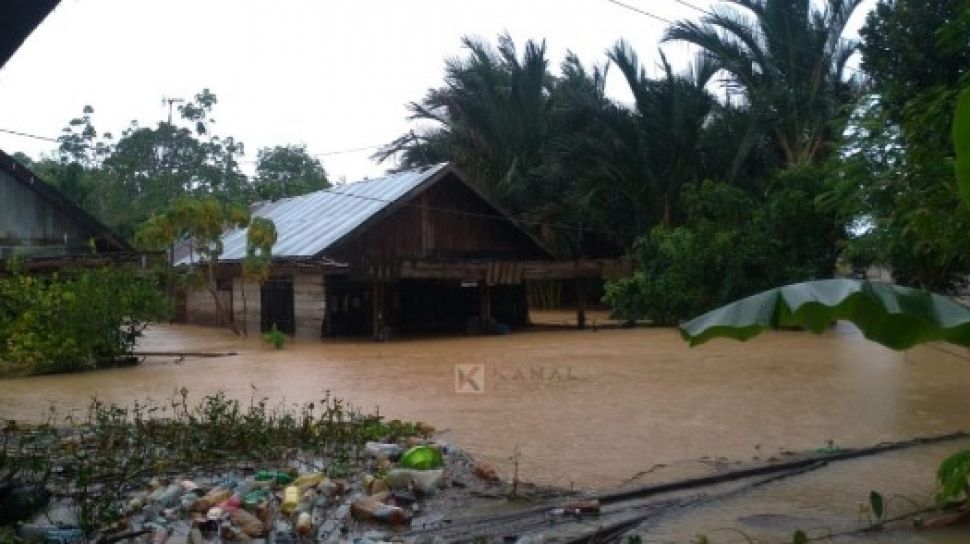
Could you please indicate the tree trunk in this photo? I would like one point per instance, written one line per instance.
(220, 309)
(245, 314)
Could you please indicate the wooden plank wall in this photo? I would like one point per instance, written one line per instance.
(309, 304)
(252, 305)
(201, 310)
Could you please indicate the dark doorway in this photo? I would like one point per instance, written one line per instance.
(276, 305)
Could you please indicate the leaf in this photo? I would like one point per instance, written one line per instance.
(961, 144)
(953, 476)
(799, 538)
(877, 504)
(894, 316)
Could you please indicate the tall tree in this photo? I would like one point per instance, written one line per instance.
(288, 170)
(198, 224)
(789, 60)
(260, 237)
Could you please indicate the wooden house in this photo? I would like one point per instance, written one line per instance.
(415, 251)
(45, 230)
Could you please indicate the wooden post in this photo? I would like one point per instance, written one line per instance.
(379, 310)
(580, 303)
(485, 305)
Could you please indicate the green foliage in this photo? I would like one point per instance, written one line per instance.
(799, 537)
(961, 144)
(894, 316)
(731, 245)
(287, 170)
(953, 475)
(877, 505)
(76, 321)
(274, 337)
(789, 59)
(197, 224)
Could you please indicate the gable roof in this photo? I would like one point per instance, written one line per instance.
(310, 224)
(18, 18)
(55, 198)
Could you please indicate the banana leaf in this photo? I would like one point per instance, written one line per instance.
(895, 316)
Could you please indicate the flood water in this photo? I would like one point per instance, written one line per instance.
(588, 408)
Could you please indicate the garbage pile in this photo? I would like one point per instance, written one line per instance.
(375, 502)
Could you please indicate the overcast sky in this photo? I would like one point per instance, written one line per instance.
(332, 75)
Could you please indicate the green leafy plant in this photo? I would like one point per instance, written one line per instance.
(274, 337)
(953, 476)
(74, 320)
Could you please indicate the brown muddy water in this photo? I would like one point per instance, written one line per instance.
(591, 409)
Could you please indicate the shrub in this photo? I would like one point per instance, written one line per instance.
(75, 321)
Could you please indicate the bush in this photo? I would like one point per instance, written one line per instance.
(730, 246)
(82, 320)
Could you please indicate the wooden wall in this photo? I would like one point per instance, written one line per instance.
(446, 221)
(201, 310)
(309, 304)
(31, 225)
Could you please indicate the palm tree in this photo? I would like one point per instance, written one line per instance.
(490, 117)
(788, 59)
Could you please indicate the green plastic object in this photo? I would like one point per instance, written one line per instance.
(254, 498)
(277, 476)
(421, 458)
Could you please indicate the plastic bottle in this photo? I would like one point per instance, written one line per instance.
(248, 523)
(330, 488)
(421, 458)
(191, 487)
(166, 499)
(291, 498)
(195, 536)
(276, 476)
(304, 523)
(425, 482)
(211, 499)
(485, 471)
(160, 534)
(583, 507)
(371, 508)
(380, 449)
(309, 480)
(254, 498)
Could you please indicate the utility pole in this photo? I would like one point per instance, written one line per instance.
(171, 181)
(171, 102)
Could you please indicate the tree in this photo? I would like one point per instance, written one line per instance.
(788, 59)
(198, 225)
(260, 237)
(897, 167)
(288, 170)
(490, 118)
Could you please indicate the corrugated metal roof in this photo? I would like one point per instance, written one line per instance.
(307, 225)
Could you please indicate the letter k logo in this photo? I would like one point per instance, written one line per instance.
(470, 378)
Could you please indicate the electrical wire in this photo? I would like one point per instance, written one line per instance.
(28, 135)
(696, 8)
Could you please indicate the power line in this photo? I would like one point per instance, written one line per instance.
(641, 11)
(28, 135)
(706, 12)
(320, 154)
(508, 217)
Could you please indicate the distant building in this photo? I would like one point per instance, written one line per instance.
(40, 226)
(416, 251)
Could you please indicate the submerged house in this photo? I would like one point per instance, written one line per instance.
(44, 229)
(415, 251)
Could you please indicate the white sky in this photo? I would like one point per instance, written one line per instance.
(331, 74)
